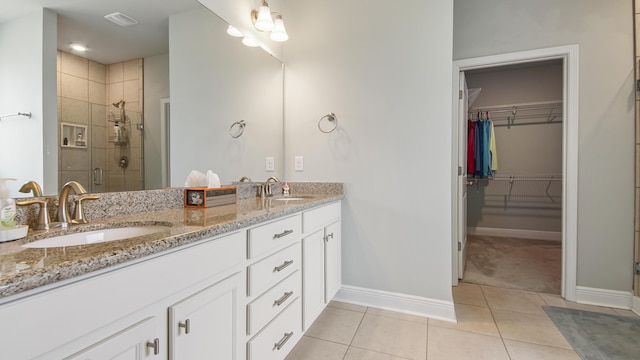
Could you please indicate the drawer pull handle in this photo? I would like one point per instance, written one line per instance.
(186, 325)
(155, 345)
(282, 234)
(283, 341)
(326, 238)
(283, 266)
(283, 298)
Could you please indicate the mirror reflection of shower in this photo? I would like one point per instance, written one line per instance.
(119, 120)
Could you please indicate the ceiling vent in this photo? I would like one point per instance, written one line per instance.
(121, 19)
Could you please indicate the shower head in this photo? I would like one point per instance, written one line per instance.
(119, 104)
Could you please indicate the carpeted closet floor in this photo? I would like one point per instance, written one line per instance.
(523, 264)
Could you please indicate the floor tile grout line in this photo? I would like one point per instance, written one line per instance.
(495, 322)
(355, 332)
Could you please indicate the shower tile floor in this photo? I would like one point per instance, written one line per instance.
(493, 323)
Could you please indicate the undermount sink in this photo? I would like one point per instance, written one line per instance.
(287, 198)
(96, 236)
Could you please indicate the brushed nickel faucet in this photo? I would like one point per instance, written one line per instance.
(268, 185)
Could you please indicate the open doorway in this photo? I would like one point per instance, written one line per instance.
(514, 203)
(566, 192)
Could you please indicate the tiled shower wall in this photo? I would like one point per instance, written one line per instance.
(86, 90)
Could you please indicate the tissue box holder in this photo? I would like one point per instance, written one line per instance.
(200, 197)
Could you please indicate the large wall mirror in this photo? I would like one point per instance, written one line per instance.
(132, 117)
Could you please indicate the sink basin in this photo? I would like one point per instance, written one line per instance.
(293, 198)
(96, 236)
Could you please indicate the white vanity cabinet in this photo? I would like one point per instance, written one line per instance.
(123, 313)
(274, 309)
(321, 257)
(239, 296)
(140, 341)
(204, 326)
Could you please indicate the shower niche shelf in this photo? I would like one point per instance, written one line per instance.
(73, 135)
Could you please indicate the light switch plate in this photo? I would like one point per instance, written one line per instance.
(270, 164)
(298, 163)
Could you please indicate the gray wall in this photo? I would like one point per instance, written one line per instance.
(522, 150)
(603, 30)
(390, 87)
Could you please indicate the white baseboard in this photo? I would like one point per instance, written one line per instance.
(408, 304)
(604, 297)
(515, 233)
(635, 307)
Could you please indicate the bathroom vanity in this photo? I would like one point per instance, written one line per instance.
(238, 281)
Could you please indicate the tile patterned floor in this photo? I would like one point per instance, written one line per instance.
(493, 323)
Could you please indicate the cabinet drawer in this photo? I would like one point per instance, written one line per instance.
(278, 338)
(273, 269)
(272, 302)
(321, 216)
(271, 235)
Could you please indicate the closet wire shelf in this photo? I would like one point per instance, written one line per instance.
(547, 112)
(522, 185)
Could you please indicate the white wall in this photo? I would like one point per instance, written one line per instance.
(603, 30)
(385, 71)
(28, 147)
(156, 88)
(214, 82)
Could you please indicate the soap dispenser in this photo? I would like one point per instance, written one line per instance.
(7, 207)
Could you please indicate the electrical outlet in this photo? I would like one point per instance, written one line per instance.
(298, 163)
(270, 163)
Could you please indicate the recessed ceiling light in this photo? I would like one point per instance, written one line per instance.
(121, 19)
(78, 47)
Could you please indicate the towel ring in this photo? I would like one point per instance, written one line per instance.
(331, 117)
(237, 128)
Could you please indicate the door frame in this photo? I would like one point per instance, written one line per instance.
(569, 56)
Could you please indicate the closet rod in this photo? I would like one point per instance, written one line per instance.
(543, 105)
(550, 177)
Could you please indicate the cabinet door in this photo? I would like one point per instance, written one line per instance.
(313, 277)
(332, 260)
(139, 341)
(208, 324)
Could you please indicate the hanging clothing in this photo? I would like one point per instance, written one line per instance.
(482, 159)
(494, 151)
(471, 164)
(486, 152)
(479, 148)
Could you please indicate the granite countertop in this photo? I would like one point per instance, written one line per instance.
(23, 270)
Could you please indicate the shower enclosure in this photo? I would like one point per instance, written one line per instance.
(100, 118)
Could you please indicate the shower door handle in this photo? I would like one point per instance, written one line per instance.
(97, 176)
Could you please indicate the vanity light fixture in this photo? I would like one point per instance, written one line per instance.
(265, 20)
(262, 17)
(234, 32)
(279, 34)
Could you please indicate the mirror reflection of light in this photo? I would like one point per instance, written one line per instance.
(78, 47)
(249, 42)
(234, 32)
